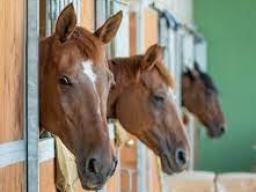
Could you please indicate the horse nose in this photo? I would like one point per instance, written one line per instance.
(222, 130)
(181, 159)
(94, 166)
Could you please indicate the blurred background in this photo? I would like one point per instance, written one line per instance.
(218, 35)
(229, 27)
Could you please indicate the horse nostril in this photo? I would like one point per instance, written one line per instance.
(222, 130)
(93, 166)
(180, 158)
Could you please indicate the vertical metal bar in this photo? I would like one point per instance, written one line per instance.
(57, 8)
(100, 12)
(119, 180)
(61, 6)
(116, 49)
(24, 104)
(78, 3)
(141, 149)
(32, 104)
(53, 13)
(179, 65)
(150, 171)
(48, 27)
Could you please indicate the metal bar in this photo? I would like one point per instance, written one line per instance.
(12, 152)
(141, 149)
(179, 66)
(48, 26)
(78, 5)
(15, 152)
(129, 173)
(111, 130)
(61, 5)
(187, 59)
(100, 12)
(32, 103)
(54, 14)
(57, 8)
(149, 171)
(46, 150)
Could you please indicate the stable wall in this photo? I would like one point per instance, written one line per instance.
(230, 28)
(11, 77)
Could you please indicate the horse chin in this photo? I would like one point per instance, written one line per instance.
(90, 183)
(166, 165)
(213, 133)
(92, 187)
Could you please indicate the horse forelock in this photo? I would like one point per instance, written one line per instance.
(90, 46)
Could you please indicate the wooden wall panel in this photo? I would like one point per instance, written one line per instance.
(112, 184)
(150, 27)
(129, 160)
(87, 14)
(132, 18)
(156, 184)
(11, 69)
(42, 19)
(12, 178)
(47, 176)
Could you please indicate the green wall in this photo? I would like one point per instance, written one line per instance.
(230, 28)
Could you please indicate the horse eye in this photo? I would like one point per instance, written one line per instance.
(158, 99)
(64, 80)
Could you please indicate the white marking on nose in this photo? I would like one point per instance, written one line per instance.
(88, 71)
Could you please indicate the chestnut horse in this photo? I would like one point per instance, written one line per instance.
(200, 97)
(74, 87)
(143, 101)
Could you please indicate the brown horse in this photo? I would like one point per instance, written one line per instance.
(74, 87)
(200, 97)
(143, 101)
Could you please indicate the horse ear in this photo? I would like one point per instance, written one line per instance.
(109, 29)
(154, 54)
(66, 22)
(196, 66)
(190, 74)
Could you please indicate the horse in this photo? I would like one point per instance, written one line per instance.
(200, 97)
(74, 86)
(143, 101)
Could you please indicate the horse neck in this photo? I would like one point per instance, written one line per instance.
(125, 71)
(187, 96)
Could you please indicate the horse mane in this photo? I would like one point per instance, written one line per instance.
(204, 77)
(207, 80)
(133, 64)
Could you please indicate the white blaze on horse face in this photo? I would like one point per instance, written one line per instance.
(88, 71)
